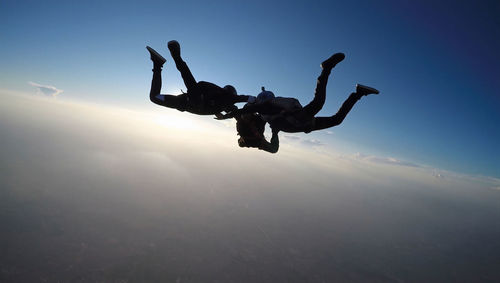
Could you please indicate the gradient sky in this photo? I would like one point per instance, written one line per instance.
(99, 184)
(436, 64)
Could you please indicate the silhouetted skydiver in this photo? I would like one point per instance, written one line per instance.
(287, 114)
(201, 98)
(250, 127)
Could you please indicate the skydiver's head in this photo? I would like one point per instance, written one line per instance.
(250, 141)
(250, 127)
(230, 89)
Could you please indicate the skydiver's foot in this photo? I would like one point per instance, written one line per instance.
(365, 90)
(157, 59)
(329, 63)
(175, 48)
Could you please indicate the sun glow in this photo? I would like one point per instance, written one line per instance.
(174, 121)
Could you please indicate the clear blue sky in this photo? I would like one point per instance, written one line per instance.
(437, 65)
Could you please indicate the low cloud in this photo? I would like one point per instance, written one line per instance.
(292, 137)
(437, 175)
(46, 90)
(312, 142)
(306, 142)
(384, 160)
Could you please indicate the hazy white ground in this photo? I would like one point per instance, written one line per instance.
(90, 193)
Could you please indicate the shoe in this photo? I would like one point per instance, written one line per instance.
(365, 90)
(332, 61)
(175, 48)
(156, 57)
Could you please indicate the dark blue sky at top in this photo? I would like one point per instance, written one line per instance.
(436, 62)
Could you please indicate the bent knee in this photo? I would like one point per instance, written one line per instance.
(335, 121)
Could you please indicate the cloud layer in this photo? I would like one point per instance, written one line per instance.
(104, 194)
(384, 160)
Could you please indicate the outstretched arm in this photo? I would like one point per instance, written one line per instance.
(272, 146)
(251, 108)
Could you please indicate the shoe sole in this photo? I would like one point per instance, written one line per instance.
(173, 42)
(174, 47)
(156, 54)
(370, 89)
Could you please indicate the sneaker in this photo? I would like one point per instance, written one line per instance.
(365, 90)
(332, 61)
(175, 48)
(156, 57)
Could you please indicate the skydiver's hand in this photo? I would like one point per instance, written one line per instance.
(219, 116)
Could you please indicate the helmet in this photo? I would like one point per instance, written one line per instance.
(230, 89)
(265, 95)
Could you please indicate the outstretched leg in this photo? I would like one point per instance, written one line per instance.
(172, 101)
(175, 51)
(317, 103)
(327, 122)
(158, 62)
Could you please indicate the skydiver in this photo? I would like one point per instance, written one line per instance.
(202, 98)
(287, 114)
(250, 128)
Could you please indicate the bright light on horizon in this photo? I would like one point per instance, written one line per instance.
(174, 121)
(157, 128)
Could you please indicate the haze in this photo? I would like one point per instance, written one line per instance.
(99, 194)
